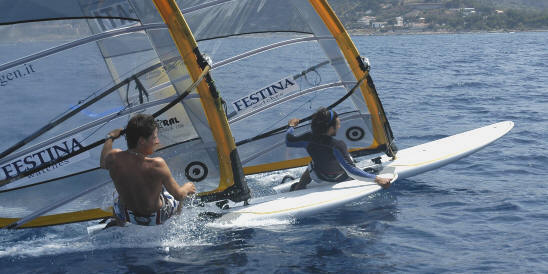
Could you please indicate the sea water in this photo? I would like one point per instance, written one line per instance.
(485, 213)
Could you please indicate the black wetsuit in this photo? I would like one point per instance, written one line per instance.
(330, 157)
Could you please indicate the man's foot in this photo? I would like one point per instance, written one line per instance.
(114, 222)
(383, 182)
(297, 186)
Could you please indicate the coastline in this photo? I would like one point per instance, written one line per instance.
(370, 32)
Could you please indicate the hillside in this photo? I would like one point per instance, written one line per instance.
(518, 4)
(442, 15)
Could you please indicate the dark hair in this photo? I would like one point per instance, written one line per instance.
(322, 120)
(140, 125)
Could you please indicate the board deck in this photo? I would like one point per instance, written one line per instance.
(435, 154)
(315, 198)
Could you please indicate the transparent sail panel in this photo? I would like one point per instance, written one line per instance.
(264, 90)
(241, 17)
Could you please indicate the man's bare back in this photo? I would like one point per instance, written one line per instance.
(139, 179)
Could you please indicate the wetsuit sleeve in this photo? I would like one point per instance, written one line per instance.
(295, 141)
(344, 159)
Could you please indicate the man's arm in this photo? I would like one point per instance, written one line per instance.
(294, 141)
(348, 165)
(107, 148)
(179, 192)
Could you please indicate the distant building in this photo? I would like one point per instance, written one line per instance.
(467, 11)
(366, 20)
(399, 22)
(378, 25)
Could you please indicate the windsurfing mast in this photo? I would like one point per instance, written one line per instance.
(232, 183)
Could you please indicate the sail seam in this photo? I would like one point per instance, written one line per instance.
(68, 18)
(204, 5)
(266, 48)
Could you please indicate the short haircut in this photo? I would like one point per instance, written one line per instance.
(140, 125)
(322, 120)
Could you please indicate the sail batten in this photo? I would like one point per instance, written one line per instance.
(266, 48)
(204, 5)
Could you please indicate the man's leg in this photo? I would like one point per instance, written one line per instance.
(115, 222)
(170, 202)
(303, 181)
(179, 208)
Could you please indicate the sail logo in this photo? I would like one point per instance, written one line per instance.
(174, 127)
(15, 74)
(265, 97)
(168, 123)
(42, 157)
(112, 15)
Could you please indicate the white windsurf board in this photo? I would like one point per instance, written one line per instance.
(324, 196)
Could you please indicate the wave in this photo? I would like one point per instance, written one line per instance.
(496, 208)
(463, 84)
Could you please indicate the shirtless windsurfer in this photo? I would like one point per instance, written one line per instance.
(148, 193)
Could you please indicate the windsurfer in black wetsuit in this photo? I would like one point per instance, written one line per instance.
(330, 158)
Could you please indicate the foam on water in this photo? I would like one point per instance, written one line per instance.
(243, 221)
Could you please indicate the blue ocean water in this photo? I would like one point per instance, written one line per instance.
(485, 213)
